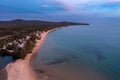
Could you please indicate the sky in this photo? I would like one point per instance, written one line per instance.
(59, 10)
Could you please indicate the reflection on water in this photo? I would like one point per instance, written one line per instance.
(81, 53)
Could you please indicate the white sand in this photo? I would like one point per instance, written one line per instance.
(21, 69)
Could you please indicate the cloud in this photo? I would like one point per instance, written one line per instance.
(60, 8)
(73, 4)
(96, 7)
(45, 6)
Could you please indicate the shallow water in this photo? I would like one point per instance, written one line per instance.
(4, 61)
(81, 53)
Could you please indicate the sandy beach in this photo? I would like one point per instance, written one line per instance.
(22, 69)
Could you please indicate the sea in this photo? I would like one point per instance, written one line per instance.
(5, 60)
(84, 52)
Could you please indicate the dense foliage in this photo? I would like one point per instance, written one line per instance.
(15, 30)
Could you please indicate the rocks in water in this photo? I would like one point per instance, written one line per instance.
(41, 75)
(65, 59)
(100, 57)
(57, 61)
(40, 70)
(97, 52)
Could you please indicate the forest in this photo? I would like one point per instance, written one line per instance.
(18, 37)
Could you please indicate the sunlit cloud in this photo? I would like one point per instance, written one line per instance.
(59, 8)
(96, 7)
(73, 4)
(45, 6)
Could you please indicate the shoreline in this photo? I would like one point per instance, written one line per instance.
(22, 69)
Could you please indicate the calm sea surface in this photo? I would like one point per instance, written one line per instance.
(81, 53)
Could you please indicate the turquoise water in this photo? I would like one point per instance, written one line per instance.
(81, 53)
